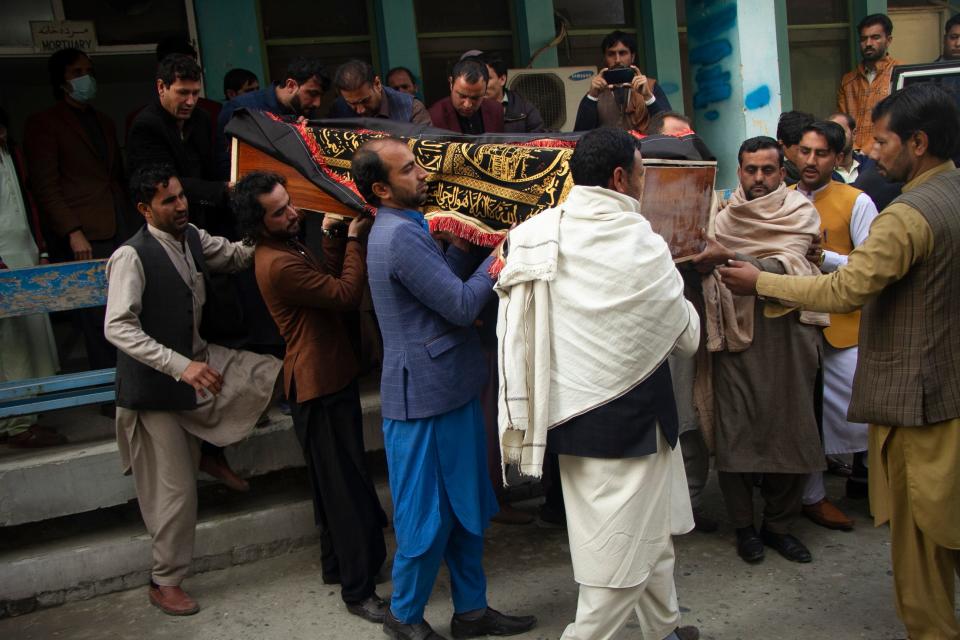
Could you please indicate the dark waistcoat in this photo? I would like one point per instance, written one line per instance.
(908, 368)
(166, 315)
(401, 104)
(625, 427)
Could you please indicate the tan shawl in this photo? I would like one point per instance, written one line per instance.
(780, 225)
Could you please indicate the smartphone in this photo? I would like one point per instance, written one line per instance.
(619, 75)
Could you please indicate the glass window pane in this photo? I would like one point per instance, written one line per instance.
(816, 11)
(130, 22)
(15, 26)
(314, 18)
(438, 55)
(596, 13)
(438, 16)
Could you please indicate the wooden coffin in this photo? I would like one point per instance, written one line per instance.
(303, 193)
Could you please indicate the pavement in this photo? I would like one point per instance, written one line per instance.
(845, 593)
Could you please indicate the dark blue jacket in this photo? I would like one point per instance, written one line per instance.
(426, 302)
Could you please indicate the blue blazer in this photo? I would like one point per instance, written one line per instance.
(426, 303)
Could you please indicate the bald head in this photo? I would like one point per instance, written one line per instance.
(386, 174)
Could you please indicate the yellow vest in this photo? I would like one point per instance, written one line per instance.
(835, 203)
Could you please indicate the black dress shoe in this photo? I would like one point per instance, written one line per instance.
(372, 609)
(689, 632)
(749, 545)
(491, 623)
(399, 631)
(788, 546)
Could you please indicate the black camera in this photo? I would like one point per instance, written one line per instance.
(619, 75)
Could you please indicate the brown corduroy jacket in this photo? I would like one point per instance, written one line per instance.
(308, 299)
(73, 187)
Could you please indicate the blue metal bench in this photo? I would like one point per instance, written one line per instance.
(45, 289)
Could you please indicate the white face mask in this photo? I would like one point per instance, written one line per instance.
(83, 89)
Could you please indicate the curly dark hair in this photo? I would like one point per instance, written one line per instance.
(599, 152)
(245, 202)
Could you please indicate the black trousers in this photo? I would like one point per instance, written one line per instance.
(782, 493)
(345, 503)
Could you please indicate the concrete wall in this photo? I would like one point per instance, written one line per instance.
(733, 57)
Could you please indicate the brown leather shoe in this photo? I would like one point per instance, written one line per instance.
(825, 514)
(173, 601)
(219, 468)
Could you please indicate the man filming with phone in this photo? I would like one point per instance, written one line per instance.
(620, 95)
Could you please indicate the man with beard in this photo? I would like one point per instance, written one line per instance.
(859, 170)
(907, 386)
(625, 107)
(466, 109)
(298, 94)
(427, 302)
(861, 89)
(593, 286)
(362, 95)
(174, 388)
(307, 298)
(765, 356)
(845, 217)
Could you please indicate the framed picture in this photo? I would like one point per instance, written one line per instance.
(946, 74)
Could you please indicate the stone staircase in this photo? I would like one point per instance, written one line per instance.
(70, 527)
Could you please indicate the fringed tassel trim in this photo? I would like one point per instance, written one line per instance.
(469, 231)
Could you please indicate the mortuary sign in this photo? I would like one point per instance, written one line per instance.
(52, 35)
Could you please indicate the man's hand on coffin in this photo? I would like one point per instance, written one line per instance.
(713, 255)
(202, 377)
(598, 85)
(359, 227)
(740, 277)
(449, 238)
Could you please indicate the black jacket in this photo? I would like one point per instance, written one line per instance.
(520, 116)
(154, 138)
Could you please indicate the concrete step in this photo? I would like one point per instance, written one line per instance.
(85, 474)
(82, 556)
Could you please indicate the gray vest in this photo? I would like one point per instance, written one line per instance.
(166, 315)
(908, 368)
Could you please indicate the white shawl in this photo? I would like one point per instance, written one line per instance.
(590, 305)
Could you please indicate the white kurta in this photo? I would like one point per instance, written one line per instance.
(27, 346)
(248, 378)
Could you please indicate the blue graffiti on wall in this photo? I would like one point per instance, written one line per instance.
(708, 31)
(758, 98)
(713, 84)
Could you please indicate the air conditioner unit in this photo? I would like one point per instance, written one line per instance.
(556, 93)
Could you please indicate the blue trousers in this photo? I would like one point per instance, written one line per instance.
(413, 578)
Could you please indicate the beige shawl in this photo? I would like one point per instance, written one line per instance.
(780, 225)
